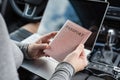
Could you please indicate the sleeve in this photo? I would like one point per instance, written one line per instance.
(64, 71)
(24, 48)
(17, 54)
(8, 69)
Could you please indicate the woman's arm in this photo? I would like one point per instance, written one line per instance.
(8, 69)
(74, 62)
(24, 48)
(64, 71)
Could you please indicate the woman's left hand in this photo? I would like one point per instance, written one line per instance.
(35, 50)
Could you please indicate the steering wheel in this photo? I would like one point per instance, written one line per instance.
(29, 9)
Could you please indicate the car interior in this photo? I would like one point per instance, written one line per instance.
(23, 18)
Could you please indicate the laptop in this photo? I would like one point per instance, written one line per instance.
(89, 14)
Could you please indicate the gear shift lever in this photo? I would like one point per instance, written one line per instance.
(107, 51)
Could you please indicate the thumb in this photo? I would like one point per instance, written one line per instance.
(79, 49)
(42, 46)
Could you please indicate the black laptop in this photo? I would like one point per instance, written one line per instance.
(88, 14)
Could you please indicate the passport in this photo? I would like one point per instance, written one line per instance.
(66, 40)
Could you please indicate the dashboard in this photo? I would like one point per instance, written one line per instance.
(114, 10)
(114, 2)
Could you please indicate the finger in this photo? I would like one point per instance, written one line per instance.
(40, 54)
(39, 41)
(42, 46)
(79, 49)
(48, 36)
(82, 53)
(46, 55)
(86, 62)
(84, 57)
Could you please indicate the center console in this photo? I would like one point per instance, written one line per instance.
(105, 59)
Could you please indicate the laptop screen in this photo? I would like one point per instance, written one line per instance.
(88, 14)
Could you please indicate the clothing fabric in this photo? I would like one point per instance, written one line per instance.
(11, 58)
(24, 48)
(8, 70)
(64, 71)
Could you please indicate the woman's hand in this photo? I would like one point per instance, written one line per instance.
(35, 50)
(77, 58)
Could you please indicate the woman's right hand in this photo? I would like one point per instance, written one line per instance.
(77, 58)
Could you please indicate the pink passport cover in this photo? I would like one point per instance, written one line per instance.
(67, 39)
